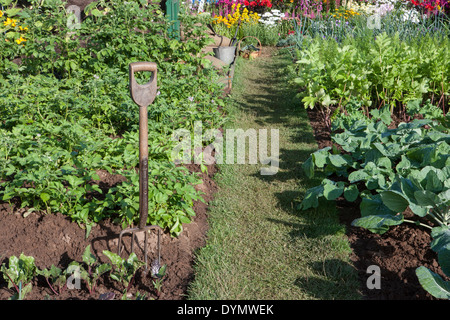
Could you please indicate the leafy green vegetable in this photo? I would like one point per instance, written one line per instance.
(391, 170)
(433, 283)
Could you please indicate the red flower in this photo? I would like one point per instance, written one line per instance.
(253, 3)
(246, 3)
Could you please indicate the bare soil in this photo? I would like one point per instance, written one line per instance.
(54, 239)
(398, 252)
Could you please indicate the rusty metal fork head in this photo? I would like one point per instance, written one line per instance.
(143, 96)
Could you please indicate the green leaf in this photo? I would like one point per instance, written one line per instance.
(96, 13)
(12, 12)
(441, 245)
(320, 157)
(162, 271)
(115, 258)
(376, 216)
(101, 269)
(338, 160)
(378, 223)
(358, 175)
(404, 165)
(433, 283)
(426, 198)
(12, 35)
(433, 183)
(444, 196)
(384, 162)
(311, 197)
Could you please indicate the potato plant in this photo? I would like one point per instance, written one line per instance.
(391, 170)
(67, 113)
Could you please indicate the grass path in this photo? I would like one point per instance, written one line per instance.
(259, 246)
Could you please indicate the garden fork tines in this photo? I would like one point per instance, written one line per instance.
(142, 95)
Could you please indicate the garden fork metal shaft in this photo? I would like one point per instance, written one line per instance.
(143, 96)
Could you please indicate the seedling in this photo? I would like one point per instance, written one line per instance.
(94, 270)
(56, 279)
(19, 274)
(124, 270)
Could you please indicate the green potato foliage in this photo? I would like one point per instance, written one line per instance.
(67, 115)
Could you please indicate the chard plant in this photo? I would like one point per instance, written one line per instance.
(390, 171)
(158, 273)
(124, 270)
(18, 274)
(377, 71)
(56, 279)
(68, 114)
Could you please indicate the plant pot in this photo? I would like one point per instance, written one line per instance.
(251, 53)
(225, 54)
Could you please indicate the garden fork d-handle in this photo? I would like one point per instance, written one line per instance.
(143, 95)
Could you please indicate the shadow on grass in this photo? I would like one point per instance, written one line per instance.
(274, 104)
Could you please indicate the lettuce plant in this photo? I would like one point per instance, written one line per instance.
(158, 272)
(19, 273)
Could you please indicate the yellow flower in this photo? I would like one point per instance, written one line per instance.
(23, 28)
(20, 40)
(1, 13)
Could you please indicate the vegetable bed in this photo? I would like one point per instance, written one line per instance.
(69, 146)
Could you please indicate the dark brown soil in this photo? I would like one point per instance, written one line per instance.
(54, 239)
(397, 253)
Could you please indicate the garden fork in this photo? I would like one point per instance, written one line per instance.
(142, 95)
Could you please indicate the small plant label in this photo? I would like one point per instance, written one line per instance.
(234, 138)
(374, 21)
